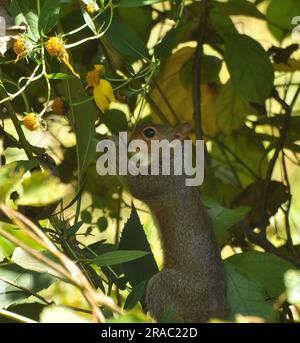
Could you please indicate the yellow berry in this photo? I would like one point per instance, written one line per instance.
(55, 46)
(20, 47)
(92, 8)
(31, 121)
(93, 77)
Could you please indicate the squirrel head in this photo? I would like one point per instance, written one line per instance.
(147, 187)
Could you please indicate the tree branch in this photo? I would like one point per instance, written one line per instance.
(197, 96)
(280, 145)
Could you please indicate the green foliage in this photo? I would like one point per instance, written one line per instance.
(49, 15)
(231, 109)
(133, 237)
(116, 121)
(26, 261)
(41, 189)
(30, 281)
(223, 218)
(247, 297)
(250, 68)
(126, 41)
(117, 257)
(137, 3)
(280, 17)
(23, 14)
(265, 269)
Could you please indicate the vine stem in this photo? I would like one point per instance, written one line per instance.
(17, 125)
(16, 317)
(99, 35)
(197, 96)
(30, 79)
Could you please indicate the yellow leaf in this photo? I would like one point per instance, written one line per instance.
(180, 95)
(103, 95)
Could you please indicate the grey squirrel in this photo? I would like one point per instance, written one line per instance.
(192, 285)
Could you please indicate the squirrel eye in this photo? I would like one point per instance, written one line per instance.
(149, 132)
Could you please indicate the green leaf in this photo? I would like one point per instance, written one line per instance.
(40, 189)
(86, 216)
(292, 283)
(222, 23)
(223, 218)
(11, 174)
(231, 109)
(211, 66)
(266, 269)
(135, 295)
(82, 118)
(49, 15)
(138, 19)
(102, 224)
(99, 248)
(21, 236)
(23, 14)
(137, 3)
(126, 41)
(239, 7)
(6, 248)
(74, 229)
(88, 20)
(60, 76)
(8, 179)
(133, 238)
(26, 165)
(115, 120)
(246, 297)
(241, 155)
(182, 33)
(280, 17)
(35, 282)
(26, 261)
(251, 71)
(116, 257)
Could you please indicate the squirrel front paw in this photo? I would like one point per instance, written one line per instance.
(162, 298)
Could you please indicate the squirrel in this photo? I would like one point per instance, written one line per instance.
(192, 286)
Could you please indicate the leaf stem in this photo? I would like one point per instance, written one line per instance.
(17, 125)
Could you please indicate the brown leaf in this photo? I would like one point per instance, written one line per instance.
(180, 96)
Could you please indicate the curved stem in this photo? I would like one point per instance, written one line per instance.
(197, 98)
(17, 125)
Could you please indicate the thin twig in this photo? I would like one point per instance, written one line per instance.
(157, 109)
(197, 96)
(237, 158)
(16, 122)
(167, 102)
(25, 290)
(280, 145)
(68, 268)
(290, 244)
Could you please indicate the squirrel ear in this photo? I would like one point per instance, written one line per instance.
(182, 131)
